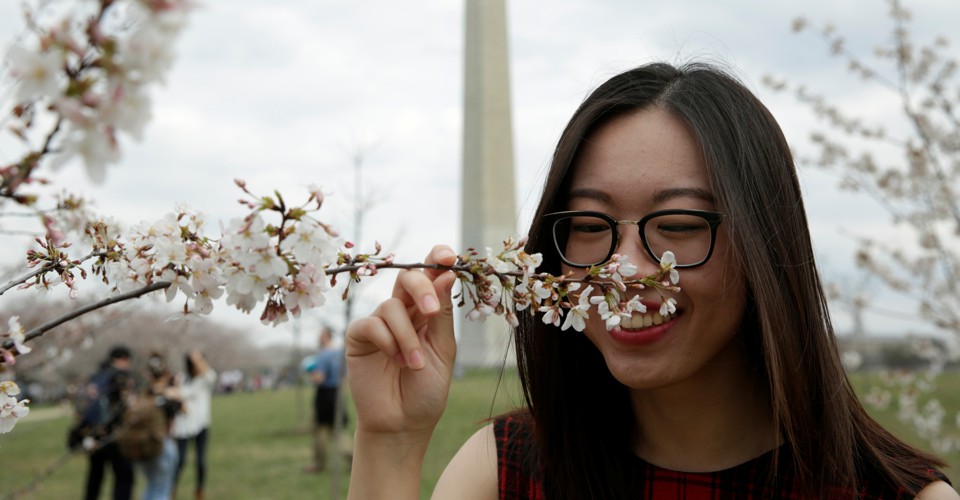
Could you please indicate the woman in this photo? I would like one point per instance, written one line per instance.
(739, 393)
(193, 423)
(152, 420)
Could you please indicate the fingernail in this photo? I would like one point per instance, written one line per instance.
(416, 359)
(446, 254)
(429, 303)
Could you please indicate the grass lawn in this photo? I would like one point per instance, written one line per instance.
(261, 441)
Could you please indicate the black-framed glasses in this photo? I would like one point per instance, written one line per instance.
(587, 238)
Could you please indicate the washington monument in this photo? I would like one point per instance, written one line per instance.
(489, 203)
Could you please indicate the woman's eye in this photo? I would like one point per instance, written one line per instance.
(679, 228)
(590, 228)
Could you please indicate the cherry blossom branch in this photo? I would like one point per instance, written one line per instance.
(23, 279)
(49, 266)
(133, 294)
(654, 280)
(288, 266)
(90, 75)
(160, 285)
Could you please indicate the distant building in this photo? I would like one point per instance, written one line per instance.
(489, 203)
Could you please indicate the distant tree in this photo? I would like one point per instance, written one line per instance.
(77, 347)
(911, 167)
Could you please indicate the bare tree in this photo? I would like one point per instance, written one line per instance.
(910, 167)
(77, 347)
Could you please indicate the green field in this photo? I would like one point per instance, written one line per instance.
(260, 442)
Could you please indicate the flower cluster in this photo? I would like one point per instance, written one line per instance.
(81, 81)
(507, 282)
(14, 336)
(281, 265)
(11, 410)
(283, 257)
(94, 77)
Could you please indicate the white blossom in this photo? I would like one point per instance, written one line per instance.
(634, 305)
(246, 236)
(309, 243)
(11, 410)
(306, 290)
(578, 313)
(39, 72)
(16, 334)
(668, 306)
(95, 145)
(127, 108)
(553, 315)
(668, 262)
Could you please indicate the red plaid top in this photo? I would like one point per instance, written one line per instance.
(518, 482)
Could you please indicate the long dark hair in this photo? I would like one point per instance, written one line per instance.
(191, 367)
(583, 419)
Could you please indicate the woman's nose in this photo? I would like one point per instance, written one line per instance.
(631, 245)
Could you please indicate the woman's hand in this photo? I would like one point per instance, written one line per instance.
(400, 358)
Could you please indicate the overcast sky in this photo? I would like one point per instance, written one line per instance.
(283, 94)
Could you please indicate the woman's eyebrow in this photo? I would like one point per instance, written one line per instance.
(686, 192)
(658, 197)
(593, 194)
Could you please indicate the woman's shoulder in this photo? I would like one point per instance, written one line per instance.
(472, 473)
(938, 490)
(493, 463)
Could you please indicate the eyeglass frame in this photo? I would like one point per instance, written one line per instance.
(713, 220)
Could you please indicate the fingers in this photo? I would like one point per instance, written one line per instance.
(421, 298)
(440, 254)
(417, 288)
(390, 331)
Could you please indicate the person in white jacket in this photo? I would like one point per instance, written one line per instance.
(193, 423)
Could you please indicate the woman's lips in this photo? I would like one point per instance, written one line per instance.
(642, 329)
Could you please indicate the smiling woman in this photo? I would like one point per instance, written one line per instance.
(734, 388)
(646, 163)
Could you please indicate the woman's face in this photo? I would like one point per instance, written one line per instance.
(633, 165)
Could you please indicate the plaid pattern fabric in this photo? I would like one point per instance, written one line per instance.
(518, 479)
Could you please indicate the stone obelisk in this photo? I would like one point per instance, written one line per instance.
(489, 203)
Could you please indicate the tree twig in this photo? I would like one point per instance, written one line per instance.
(45, 268)
(40, 330)
(23, 279)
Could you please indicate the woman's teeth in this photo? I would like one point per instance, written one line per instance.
(638, 321)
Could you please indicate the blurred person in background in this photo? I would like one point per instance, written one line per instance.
(193, 422)
(149, 424)
(105, 399)
(324, 369)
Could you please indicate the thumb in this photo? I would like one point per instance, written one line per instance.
(441, 324)
(444, 287)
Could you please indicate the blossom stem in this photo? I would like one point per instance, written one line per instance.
(418, 265)
(45, 268)
(653, 280)
(40, 330)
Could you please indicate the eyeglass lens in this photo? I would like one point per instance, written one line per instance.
(589, 240)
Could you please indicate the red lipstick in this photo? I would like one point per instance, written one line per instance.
(643, 336)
